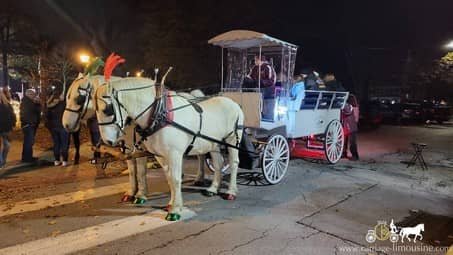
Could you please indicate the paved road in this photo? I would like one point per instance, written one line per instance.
(317, 209)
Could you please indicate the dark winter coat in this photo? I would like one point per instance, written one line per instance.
(334, 85)
(267, 76)
(54, 115)
(30, 112)
(311, 82)
(7, 118)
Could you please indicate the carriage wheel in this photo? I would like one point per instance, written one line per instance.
(275, 159)
(334, 142)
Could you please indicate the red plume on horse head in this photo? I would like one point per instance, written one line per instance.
(112, 61)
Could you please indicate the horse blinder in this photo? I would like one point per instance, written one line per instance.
(108, 111)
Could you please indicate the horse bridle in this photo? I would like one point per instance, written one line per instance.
(110, 108)
(83, 109)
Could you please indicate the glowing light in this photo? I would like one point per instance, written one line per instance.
(138, 74)
(84, 58)
(449, 45)
(282, 110)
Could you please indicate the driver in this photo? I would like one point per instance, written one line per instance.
(262, 75)
(266, 74)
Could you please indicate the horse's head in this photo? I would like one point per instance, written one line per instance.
(121, 102)
(78, 103)
(79, 100)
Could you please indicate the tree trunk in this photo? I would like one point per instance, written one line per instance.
(5, 49)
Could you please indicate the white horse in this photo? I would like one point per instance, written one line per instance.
(80, 107)
(416, 231)
(218, 118)
(79, 100)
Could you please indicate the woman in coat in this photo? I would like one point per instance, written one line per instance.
(55, 109)
(350, 116)
(7, 123)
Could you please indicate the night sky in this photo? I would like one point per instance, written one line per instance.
(349, 38)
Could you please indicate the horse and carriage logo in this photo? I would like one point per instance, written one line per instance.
(382, 231)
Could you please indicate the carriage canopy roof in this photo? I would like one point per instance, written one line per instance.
(243, 39)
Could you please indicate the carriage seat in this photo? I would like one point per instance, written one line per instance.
(325, 101)
(310, 100)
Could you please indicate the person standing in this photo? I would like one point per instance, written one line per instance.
(95, 136)
(7, 123)
(350, 116)
(30, 115)
(55, 109)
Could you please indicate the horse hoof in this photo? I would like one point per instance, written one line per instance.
(208, 193)
(173, 217)
(127, 198)
(139, 201)
(229, 197)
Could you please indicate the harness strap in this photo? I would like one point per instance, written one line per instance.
(200, 111)
(180, 127)
(159, 119)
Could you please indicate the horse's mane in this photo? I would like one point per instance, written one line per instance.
(194, 94)
(131, 82)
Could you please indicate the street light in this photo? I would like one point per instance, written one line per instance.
(84, 58)
(449, 45)
(139, 73)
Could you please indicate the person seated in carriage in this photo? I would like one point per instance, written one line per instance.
(332, 84)
(297, 93)
(312, 80)
(265, 75)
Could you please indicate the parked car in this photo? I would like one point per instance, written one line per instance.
(390, 111)
(411, 113)
(434, 111)
(370, 115)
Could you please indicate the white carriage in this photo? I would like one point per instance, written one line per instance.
(276, 122)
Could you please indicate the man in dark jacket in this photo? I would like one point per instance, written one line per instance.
(30, 114)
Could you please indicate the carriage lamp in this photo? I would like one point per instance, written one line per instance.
(282, 110)
(84, 58)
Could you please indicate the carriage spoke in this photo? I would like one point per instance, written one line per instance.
(279, 171)
(283, 153)
(273, 169)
